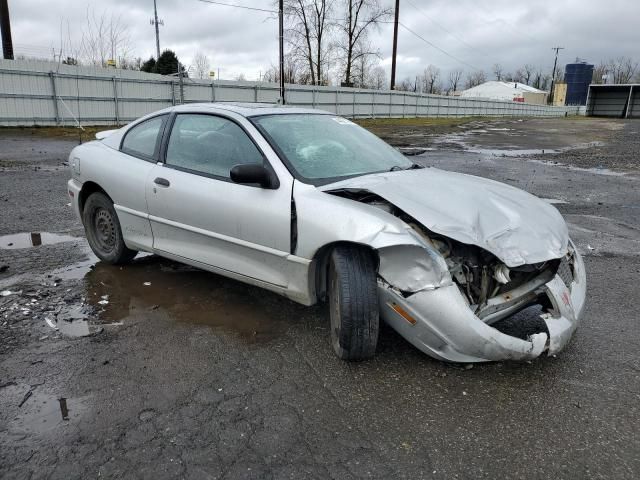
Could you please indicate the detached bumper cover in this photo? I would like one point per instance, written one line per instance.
(73, 190)
(445, 327)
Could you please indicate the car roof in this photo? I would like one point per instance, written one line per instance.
(248, 109)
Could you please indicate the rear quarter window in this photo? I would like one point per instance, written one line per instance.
(143, 140)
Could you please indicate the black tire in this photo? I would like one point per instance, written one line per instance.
(103, 230)
(353, 303)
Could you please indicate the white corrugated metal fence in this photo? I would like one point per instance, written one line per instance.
(44, 93)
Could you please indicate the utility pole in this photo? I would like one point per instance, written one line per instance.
(5, 26)
(156, 23)
(395, 46)
(553, 75)
(281, 47)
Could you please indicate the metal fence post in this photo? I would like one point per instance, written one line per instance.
(173, 92)
(629, 102)
(390, 104)
(115, 100)
(337, 101)
(353, 94)
(255, 93)
(213, 92)
(313, 97)
(373, 105)
(54, 97)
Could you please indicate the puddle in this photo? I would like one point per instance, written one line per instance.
(593, 170)
(73, 321)
(186, 294)
(524, 152)
(41, 412)
(33, 239)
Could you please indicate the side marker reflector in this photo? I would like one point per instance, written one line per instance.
(403, 313)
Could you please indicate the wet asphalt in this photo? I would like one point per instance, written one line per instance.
(170, 372)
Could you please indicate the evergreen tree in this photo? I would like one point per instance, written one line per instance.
(149, 66)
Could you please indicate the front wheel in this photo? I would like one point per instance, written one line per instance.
(353, 303)
(103, 230)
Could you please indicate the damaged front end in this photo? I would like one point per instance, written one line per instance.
(455, 301)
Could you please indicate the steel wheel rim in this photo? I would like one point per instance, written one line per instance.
(104, 229)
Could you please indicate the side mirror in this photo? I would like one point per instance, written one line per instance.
(253, 173)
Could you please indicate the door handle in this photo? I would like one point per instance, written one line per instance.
(163, 182)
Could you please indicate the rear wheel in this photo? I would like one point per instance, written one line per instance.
(103, 230)
(353, 303)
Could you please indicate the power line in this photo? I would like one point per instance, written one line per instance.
(256, 9)
(437, 47)
(518, 31)
(214, 2)
(421, 12)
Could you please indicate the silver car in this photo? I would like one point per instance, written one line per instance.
(312, 206)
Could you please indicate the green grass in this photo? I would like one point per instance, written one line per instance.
(58, 132)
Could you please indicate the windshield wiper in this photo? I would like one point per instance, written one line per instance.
(413, 166)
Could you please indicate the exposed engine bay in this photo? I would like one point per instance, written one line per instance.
(478, 274)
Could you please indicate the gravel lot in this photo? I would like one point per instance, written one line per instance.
(196, 376)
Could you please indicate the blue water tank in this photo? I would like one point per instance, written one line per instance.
(577, 76)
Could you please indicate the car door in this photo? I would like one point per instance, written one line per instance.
(124, 173)
(198, 213)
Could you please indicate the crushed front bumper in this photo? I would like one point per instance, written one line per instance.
(443, 326)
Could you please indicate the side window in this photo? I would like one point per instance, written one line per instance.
(210, 145)
(142, 140)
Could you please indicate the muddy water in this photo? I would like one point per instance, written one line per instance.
(152, 285)
(33, 239)
(39, 411)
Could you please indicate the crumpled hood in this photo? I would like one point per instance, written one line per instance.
(514, 225)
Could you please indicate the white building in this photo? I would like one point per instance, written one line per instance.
(507, 91)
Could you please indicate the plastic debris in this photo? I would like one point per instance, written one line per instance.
(51, 323)
(146, 284)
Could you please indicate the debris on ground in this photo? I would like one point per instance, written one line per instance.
(25, 398)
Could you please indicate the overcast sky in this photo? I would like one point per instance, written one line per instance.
(478, 33)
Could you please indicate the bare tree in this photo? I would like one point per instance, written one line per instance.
(518, 76)
(104, 37)
(361, 71)
(430, 78)
(599, 72)
(527, 73)
(378, 78)
(201, 65)
(454, 79)
(537, 78)
(406, 85)
(545, 82)
(622, 69)
(497, 71)
(361, 16)
(475, 78)
(308, 34)
(293, 72)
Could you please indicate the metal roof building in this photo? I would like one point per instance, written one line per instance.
(507, 91)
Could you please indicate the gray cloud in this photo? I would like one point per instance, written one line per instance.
(482, 32)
